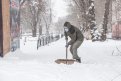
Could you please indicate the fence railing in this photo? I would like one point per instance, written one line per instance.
(46, 39)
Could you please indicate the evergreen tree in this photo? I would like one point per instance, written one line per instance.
(91, 22)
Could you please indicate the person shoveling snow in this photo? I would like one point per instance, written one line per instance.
(77, 39)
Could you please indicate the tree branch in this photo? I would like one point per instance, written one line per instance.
(118, 49)
(22, 2)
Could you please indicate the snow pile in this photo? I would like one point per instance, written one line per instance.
(101, 61)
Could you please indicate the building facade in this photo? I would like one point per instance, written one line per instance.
(8, 26)
(4, 27)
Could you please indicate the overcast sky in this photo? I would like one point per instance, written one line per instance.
(59, 9)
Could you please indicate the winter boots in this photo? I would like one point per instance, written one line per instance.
(78, 60)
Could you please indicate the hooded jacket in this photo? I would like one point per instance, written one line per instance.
(75, 34)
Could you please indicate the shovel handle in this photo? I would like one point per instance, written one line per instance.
(66, 51)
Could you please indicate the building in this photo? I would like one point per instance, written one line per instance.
(4, 27)
(9, 25)
(116, 30)
(116, 19)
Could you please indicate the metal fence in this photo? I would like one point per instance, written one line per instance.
(46, 39)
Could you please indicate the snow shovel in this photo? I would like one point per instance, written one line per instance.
(65, 61)
(66, 50)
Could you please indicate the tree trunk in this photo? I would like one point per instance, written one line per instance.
(34, 32)
(20, 9)
(105, 21)
(34, 29)
(40, 30)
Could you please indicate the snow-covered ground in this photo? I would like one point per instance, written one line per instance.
(101, 61)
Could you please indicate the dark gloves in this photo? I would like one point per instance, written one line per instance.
(66, 38)
(67, 45)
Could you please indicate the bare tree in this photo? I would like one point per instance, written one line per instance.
(32, 11)
(20, 9)
(47, 16)
(22, 2)
(82, 8)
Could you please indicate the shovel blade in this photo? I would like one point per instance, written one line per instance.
(65, 61)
